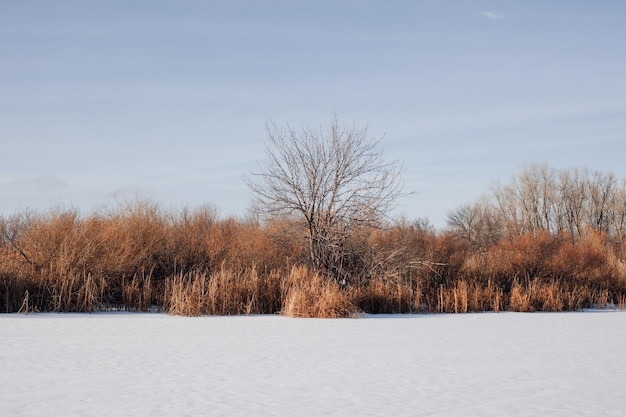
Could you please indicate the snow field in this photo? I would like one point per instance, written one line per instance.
(507, 364)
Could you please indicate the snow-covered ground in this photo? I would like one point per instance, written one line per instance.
(120, 364)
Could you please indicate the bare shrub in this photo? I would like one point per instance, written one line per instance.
(188, 239)
(134, 240)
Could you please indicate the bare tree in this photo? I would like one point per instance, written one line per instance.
(479, 224)
(619, 221)
(603, 190)
(573, 201)
(335, 179)
(12, 231)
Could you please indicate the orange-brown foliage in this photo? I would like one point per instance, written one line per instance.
(137, 257)
(311, 295)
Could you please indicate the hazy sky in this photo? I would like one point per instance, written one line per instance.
(104, 100)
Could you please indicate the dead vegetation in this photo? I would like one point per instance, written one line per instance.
(193, 263)
(549, 241)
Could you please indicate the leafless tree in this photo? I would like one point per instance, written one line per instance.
(335, 179)
(602, 200)
(619, 220)
(529, 199)
(12, 231)
(568, 200)
(479, 224)
(572, 201)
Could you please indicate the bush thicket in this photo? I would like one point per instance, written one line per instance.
(138, 257)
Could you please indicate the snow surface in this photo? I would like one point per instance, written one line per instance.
(121, 364)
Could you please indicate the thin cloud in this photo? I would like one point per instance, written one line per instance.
(492, 15)
(37, 184)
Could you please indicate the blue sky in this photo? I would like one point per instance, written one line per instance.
(101, 101)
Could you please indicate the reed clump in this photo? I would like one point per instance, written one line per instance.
(223, 292)
(309, 294)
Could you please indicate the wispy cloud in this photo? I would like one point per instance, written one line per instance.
(492, 15)
(37, 184)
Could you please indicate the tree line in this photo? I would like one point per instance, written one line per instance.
(539, 198)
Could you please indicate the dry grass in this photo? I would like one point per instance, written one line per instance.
(137, 257)
(311, 295)
(466, 297)
(387, 295)
(138, 293)
(224, 292)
